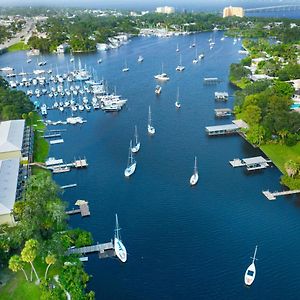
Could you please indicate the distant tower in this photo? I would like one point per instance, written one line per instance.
(231, 11)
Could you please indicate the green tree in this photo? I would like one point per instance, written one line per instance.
(291, 168)
(50, 260)
(15, 264)
(29, 254)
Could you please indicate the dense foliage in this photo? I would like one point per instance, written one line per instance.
(13, 103)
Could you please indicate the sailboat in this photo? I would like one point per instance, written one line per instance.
(194, 43)
(151, 129)
(194, 178)
(137, 145)
(119, 247)
(125, 69)
(99, 61)
(131, 165)
(140, 59)
(163, 76)
(195, 60)
(177, 49)
(180, 67)
(157, 89)
(251, 270)
(177, 103)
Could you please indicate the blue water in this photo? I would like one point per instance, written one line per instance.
(182, 242)
(295, 106)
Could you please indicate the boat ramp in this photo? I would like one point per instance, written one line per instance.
(272, 196)
(251, 164)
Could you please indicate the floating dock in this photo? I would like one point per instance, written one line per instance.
(222, 129)
(68, 186)
(272, 196)
(251, 164)
(211, 80)
(221, 96)
(83, 209)
(61, 167)
(49, 136)
(54, 142)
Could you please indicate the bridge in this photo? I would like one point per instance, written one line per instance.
(273, 8)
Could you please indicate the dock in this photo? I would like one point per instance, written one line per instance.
(49, 136)
(83, 209)
(272, 196)
(221, 96)
(68, 186)
(222, 129)
(223, 112)
(54, 142)
(251, 164)
(104, 250)
(211, 80)
(61, 167)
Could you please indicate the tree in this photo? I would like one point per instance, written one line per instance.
(252, 114)
(29, 254)
(15, 264)
(50, 260)
(291, 168)
(256, 135)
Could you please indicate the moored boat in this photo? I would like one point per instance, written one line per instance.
(119, 247)
(195, 177)
(251, 270)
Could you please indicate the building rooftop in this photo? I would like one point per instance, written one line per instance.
(221, 127)
(254, 160)
(11, 135)
(9, 171)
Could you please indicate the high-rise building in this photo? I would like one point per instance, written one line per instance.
(233, 11)
(165, 10)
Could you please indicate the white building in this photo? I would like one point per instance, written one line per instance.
(62, 48)
(165, 10)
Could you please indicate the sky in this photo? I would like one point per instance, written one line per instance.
(149, 4)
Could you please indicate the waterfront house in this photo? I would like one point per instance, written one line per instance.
(62, 48)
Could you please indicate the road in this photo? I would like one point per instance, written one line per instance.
(25, 33)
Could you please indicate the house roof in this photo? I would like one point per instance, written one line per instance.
(11, 135)
(9, 171)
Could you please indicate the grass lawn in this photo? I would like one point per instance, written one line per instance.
(17, 47)
(280, 154)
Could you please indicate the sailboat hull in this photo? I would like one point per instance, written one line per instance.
(194, 179)
(120, 250)
(151, 130)
(136, 148)
(250, 274)
(130, 170)
(177, 104)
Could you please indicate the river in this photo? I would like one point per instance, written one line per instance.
(182, 242)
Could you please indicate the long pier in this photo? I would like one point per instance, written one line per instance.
(272, 196)
(105, 250)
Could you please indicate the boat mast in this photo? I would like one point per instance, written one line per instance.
(136, 135)
(254, 256)
(195, 167)
(117, 228)
(177, 95)
(129, 155)
(149, 117)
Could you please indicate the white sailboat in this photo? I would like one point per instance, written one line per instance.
(163, 76)
(177, 103)
(251, 270)
(140, 59)
(177, 49)
(194, 178)
(195, 60)
(125, 69)
(119, 247)
(180, 67)
(157, 89)
(194, 43)
(151, 129)
(131, 165)
(137, 143)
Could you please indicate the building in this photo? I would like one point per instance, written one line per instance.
(62, 48)
(16, 144)
(231, 11)
(11, 139)
(165, 10)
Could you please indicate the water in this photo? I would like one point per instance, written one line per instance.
(182, 241)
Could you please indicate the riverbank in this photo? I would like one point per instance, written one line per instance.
(20, 46)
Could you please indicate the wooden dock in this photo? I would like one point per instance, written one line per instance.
(68, 186)
(83, 209)
(272, 196)
(105, 250)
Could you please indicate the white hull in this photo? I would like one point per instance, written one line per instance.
(180, 68)
(130, 170)
(161, 77)
(194, 179)
(120, 250)
(151, 130)
(125, 70)
(177, 104)
(136, 148)
(250, 274)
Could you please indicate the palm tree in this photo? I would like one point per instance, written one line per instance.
(292, 168)
(15, 264)
(50, 260)
(29, 254)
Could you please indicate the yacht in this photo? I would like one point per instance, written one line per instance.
(137, 143)
(119, 247)
(151, 129)
(194, 178)
(251, 270)
(177, 103)
(140, 59)
(125, 69)
(163, 76)
(131, 165)
(157, 89)
(180, 67)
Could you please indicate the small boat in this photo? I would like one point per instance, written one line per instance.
(163, 76)
(99, 61)
(151, 129)
(201, 56)
(177, 103)
(29, 60)
(222, 38)
(157, 89)
(119, 247)
(125, 69)
(131, 165)
(140, 59)
(194, 43)
(251, 270)
(71, 59)
(177, 49)
(195, 60)
(194, 178)
(180, 67)
(137, 145)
